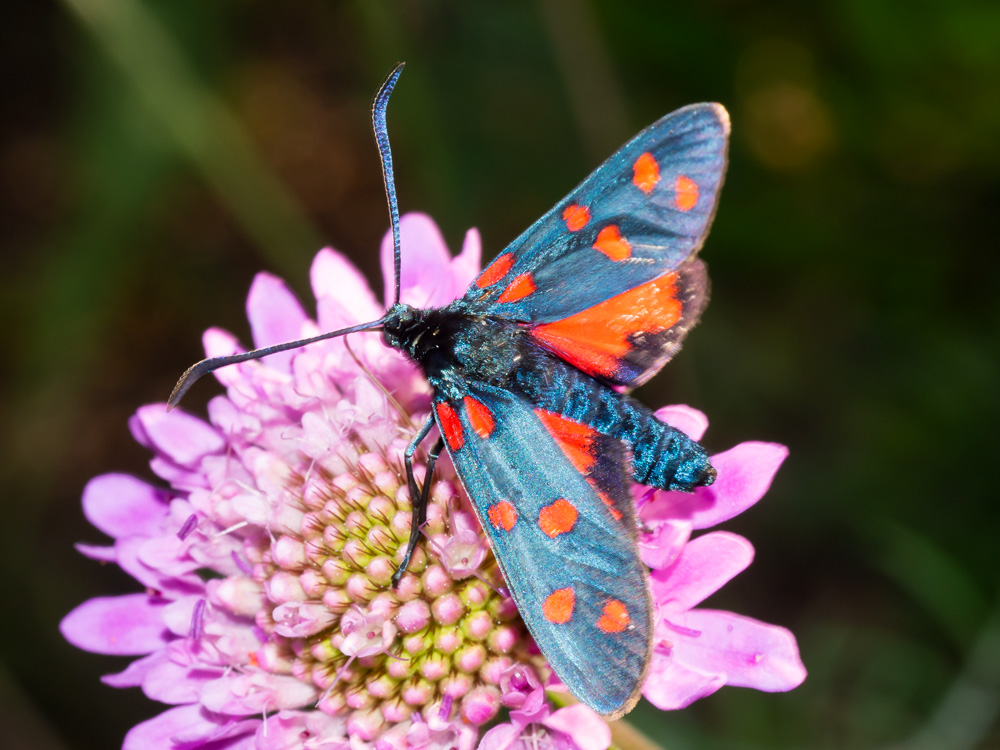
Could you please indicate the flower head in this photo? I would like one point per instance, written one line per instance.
(268, 619)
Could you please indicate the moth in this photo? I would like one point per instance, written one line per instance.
(530, 371)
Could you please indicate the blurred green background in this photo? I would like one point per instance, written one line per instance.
(155, 154)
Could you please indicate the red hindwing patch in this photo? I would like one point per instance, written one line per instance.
(575, 439)
(596, 339)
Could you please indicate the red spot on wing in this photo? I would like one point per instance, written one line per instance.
(495, 270)
(575, 439)
(596, 339)
(450, 425)
(685, 193)
(479, 417)
(614, 617)
(558, 606)
(610, 242)
(645, 173)
(576, 217)
(519, 288)
(502, 515)
(557, 518)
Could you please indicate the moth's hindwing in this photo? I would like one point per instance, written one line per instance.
(553, 496)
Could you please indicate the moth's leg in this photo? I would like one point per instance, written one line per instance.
(418, 495)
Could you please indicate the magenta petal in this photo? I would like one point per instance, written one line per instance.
(121, 505)
(426, 273)
(335, 278)
(745, 474)
(664, 540)
(588, 730)
(129, 625)
(748, 652)
(135, 673)
(670, 686)
(183, 438)
(688, 420)
(704, 566)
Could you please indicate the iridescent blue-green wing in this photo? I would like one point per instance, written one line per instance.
(620, 247)
(553, 496)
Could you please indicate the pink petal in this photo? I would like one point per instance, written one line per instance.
(334, 278)
(135, 673)
(670, 686)
(466, 267)
(129, 625)
(426, 273)
(183, 438)
(745, 474)
(500, 737)
(588, 730)
(660, 546)
(704, 566)
(121, 505)
(253, 692)
(275, 317)
(749, 653)
(175, 684)
(688, 420)
(95, 552)
(189, 725)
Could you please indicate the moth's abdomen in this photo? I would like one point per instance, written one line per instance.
(662, 456)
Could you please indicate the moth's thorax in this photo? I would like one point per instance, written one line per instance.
(449, 342)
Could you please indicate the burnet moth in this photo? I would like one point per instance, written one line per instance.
(598, 293)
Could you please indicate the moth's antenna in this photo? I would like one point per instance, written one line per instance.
(382, 138)
(208, 365)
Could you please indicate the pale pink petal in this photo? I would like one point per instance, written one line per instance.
(748, 652)
(704, 566)
(688, 420)
(129, 550)
(275, 317)
(298, 730)
(189, 726)
(426, 273)
(173, 683)
(119, 505)
(335, 279)
(183, 438)
(587, 729)
(97, 552)
(500, 737)
(135, 673)
(745, 473)
(670, 686)
(254, 692)
(467, 265)
(129, 625)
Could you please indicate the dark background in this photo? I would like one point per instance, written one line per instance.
(155, 154)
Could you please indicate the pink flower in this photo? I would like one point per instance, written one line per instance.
(267, 619)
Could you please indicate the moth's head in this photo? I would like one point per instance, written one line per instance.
(401, 325)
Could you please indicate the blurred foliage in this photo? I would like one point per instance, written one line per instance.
(154, 154)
